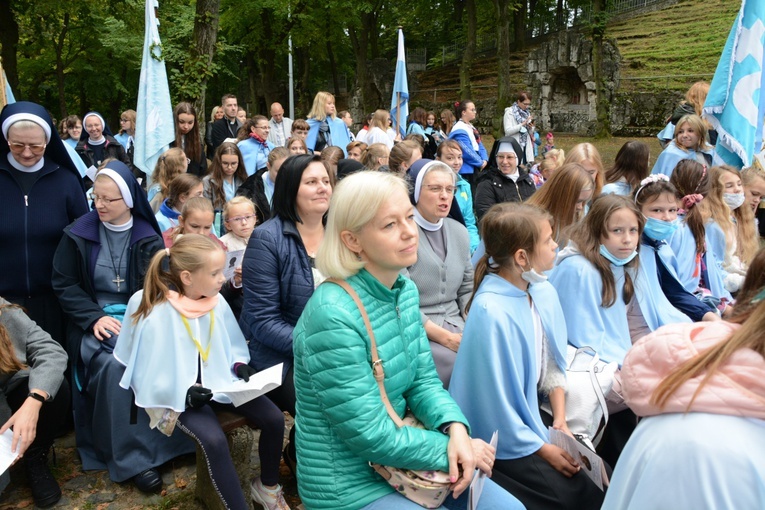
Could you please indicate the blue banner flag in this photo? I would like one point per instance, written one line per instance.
(399, 104)
(735, 105)
(9, 98)
(154, 114)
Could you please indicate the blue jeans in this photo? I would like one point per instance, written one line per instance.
(493, 497)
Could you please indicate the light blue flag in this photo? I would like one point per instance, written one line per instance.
(9, 97)
(154, 113)
(735, 104)
(399, 104)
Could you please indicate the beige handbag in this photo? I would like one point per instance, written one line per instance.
(426, 488)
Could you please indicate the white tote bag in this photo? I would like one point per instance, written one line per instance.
(588, 381)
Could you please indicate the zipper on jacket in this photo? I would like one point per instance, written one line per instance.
(518, 191)
(26, 244)
(398, 312)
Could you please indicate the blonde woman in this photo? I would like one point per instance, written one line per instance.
(343, 425)
(378, 128)
(325, 128)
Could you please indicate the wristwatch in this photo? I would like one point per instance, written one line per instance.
(37, 397)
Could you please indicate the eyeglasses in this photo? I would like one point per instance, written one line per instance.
(34, 148)
(450, 190)
(108, 201)
(123, 120)
(243, 219)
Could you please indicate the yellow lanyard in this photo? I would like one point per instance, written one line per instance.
(206, 352)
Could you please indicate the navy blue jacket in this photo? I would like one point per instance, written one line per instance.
(31, 226)
(278, 282)
(674, 290)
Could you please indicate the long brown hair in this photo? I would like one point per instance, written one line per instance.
(218, 195)
(591, 230)
(631, 164)
(749, 313)
(691, 178)
(193, 145)
(190, 253)
(181, 185)
(9, 362)
(559, 195)
(506, 228)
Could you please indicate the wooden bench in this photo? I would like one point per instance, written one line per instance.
(240, 443)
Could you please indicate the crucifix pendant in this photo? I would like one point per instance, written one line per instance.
(118, 280)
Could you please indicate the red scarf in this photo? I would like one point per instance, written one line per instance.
(258, 139)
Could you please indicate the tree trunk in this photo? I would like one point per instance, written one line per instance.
(59, 48)
(469, 54)
(504, 93)
(519, 24)
(603, 108)
(197, 68)
(559, 18)
(9, 40)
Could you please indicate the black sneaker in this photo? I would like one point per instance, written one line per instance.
(45, 489)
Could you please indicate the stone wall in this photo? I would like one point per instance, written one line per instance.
(561, 81)
(642, 113)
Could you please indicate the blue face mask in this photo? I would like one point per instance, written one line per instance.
(660, 230)
(614, 260)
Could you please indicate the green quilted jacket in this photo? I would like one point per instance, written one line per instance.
(341, 421)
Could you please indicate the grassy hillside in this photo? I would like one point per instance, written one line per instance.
(684, 39)
(666, 49)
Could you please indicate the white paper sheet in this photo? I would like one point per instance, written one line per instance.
(241, 392)
(591, 463)
(6, 457)
(476, 486)
(233, 261)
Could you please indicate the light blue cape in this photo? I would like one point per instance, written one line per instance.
(161, 361)
(495, 375)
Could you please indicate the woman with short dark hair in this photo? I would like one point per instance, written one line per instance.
(278, 271)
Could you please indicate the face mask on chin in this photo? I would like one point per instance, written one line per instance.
(616, 260)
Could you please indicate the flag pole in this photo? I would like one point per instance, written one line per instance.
(398, 97)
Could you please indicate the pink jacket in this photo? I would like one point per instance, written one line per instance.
(736, 389)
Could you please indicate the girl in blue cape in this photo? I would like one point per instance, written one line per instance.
(689, 143)
(179, 343)
(607, 301)
(656, 199)
(324, 128)
(696, 265)
(513, 347)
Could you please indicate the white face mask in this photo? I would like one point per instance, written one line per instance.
(734, 200)
(533, 277)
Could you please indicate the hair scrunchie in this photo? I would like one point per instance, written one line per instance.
(690, 200)
(167, 251)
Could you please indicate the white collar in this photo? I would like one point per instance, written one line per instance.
(26, 169)
(425, 224)
(97, 142)
(119, 228)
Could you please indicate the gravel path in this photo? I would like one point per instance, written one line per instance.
(94, 491)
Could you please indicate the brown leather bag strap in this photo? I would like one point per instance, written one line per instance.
(377, 363)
